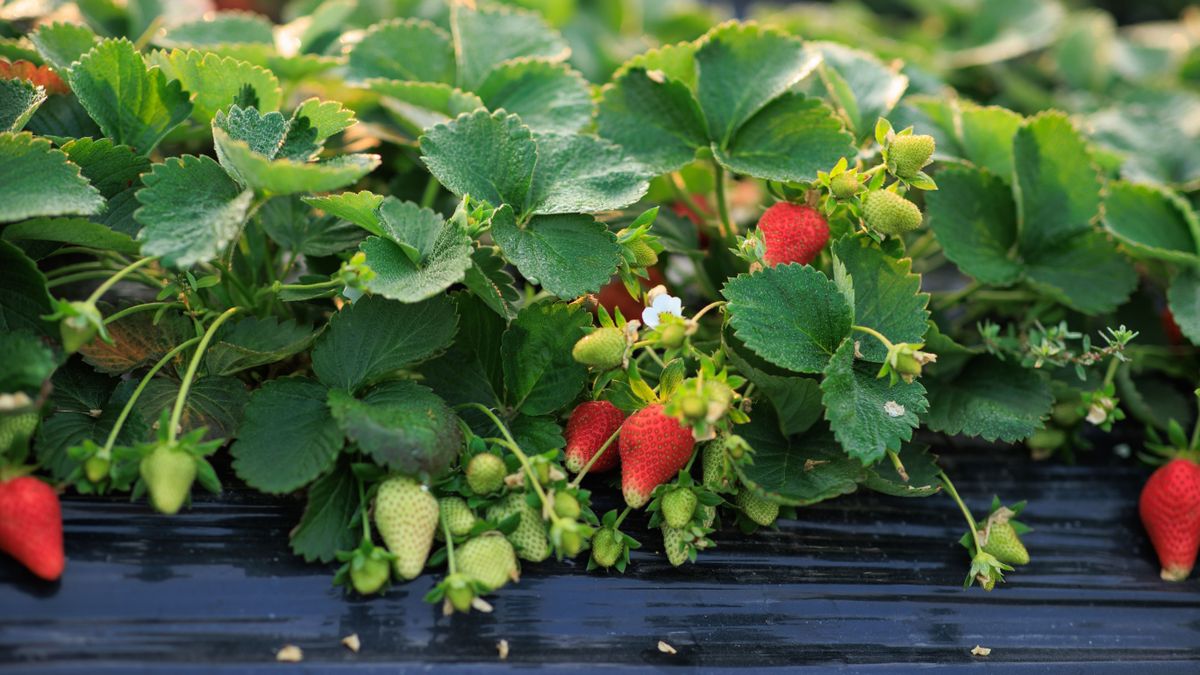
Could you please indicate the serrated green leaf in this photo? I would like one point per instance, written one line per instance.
(547, 96)
(491, 283)
(62, 117)
(25, 363)
(537, 434)
(216, 82)
(569, 255)
(796, 470)
(1184, 300)
(871, 88)
(487, 36)
(1057, 187)
(116, 171)
(658, 123)
(326, 117)
(287, 176)
(66, 428)
(539, 372)
(921, 467)
(403, 49)
(791, 315)
(134, 105)
(252, 342)
(790, 139)
(62, 44)
(375, 337)
(74, 231)
(887, 295)
(796, 400)
(288, 436)
(867, 414)
(986, 136)
(290, 222)
(215, 403)
(974, 217)
(489, 156)
(324, 529)
(1153, 222)
(423, 104)
(191, 210)
(220, 28)
(675, 62)
(402, 425)
(740, 69)
(580, 173)
(1085, 272)
(263, 133)
(442, 250)
(19, 100)
(23, 297)
(37, 180)
(991, 399)
(357, 207)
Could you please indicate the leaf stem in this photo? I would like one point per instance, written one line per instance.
(181, 398)
(957, 296)
(966, 512)
(509, 442)
(709, 306)
(431, 192)
(362, 506)
(725, 225)
(111, 441)
(144, 307)
(1111, 373)
(125, 271)
(875, 334)
(450, 566)
(898, 465)
(621, 518)
(587, 467)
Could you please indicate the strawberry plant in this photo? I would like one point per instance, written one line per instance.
(467, 281)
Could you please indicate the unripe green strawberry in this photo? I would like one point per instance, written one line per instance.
(678, 507)
(488, 559)
(457, 515)
(908, 366)
(368, 575)
(1047, 440)
(890, 213)
(406, 516)
(607, 547)
(96, 468)
(693, 406)
(1004, 543)
(672, 335)
(566, 533)
(485, 473)
(566, 505)
(713, 462)
(169, 473)
(907, 155)
(643, 253)
(15, 430)
(675, 545)
(459, 592)
(760, 510)
(530, 536)
(845, 185)
(603, 348)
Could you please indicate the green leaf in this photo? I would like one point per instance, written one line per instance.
(860, 84)
(37, 180)
(796, 400)
(991, 399)
(134, 105)
(568, 255)
(986, 137)
(740, 69)
(191, 210)
(23, 297)
(326, 117)
(215, 403)
(1057, 187)
(658, 123)
(357, 207)
(796, 470)
(287, 176)
(921, 467)
(674, 62)
(67, 428)
(546, 96)
(537, 434)
(375, 337)
(216, 81)
(1153, 222)
(420, 254)
(471, 371)
(252, 342)
(116, 171)
(539, 372)
(421, 105)
(867, 414)
(790, 139)
(974, 217)
(403, 49)
(491, 283)
(489, 156)
(580, 173)
(1184, 300)
(887, 295)
(791, 315)
(288, 437)
(263, 133)
(62, 44)
(19, 99)
(25, 363)
(1085, 273)
(490, 35)
(139, 340)
(324, 529)
(293, 226)
(402, 425)
(221, 28)
(73, 231)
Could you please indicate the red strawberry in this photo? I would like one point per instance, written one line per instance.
(31, 526)
(1172, 330)
(613, 295)
(654, 447)
(590, 425)
(1170, 510)
(792, 233)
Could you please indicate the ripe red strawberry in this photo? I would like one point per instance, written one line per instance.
(654, 447)
(792, 233)
(31, 526)
(590, 425)
(1170, 510)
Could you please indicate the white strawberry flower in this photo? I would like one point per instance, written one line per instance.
(660, 302)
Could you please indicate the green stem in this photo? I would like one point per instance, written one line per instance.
(957, 296)
(1111, 373)
(145, 307)
(898, 465)
(966, 512)
(722, 207)
(362, 505)
(98, 274)
(509, 442)
(319, 285)
(709, 306)
(181, 398)
(587, 467)
(875, 334)
(654, 357)
(621, 518)
(450, 566)
(106, 451)
(922, 245)
(430, 193)
(103, 288)
(89, 266)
